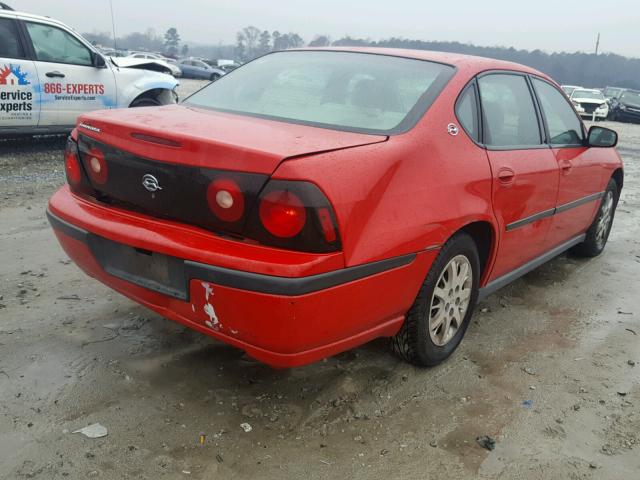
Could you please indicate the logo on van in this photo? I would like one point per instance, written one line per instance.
(13, 75)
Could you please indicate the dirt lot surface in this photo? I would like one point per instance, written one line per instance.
(549, 368)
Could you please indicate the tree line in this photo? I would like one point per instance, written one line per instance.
(576, 68)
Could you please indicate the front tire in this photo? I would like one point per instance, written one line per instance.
(598, 232)
(440, 315)
(144, 102)
(214, 77)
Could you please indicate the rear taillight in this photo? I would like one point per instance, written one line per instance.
(282, 213)
(295, 215)
(97, 166)
(225, 199)
(72, 163)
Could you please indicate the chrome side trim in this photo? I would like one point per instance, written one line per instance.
(553, 211)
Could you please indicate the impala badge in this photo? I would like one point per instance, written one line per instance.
(151, 183)
(452, 129)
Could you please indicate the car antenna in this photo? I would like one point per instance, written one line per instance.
(4, 6)
(113, 27)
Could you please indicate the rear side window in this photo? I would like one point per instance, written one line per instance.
(9, 42)
(564, 126)
(54, 45)
(467, 112)
(509, 114)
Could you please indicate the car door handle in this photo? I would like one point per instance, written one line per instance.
(506, 175)
(565, 167)
(55, 74)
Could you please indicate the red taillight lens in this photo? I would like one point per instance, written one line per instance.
(97, 166)
(72, 163)
(282, 213)
(225, 200)
(295, 215)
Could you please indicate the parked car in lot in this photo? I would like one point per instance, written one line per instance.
(49, 75)
(611, 93)
(568, 89)
(171, 67)
(297, 220)
(194, 68)
(626, 107)
(590, 103)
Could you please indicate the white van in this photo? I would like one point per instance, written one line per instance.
(49, 75)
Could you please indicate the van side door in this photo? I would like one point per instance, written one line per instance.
(19, 88)
(70, 83)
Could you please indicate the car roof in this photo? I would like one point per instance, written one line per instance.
(31, 16)
(460, 61)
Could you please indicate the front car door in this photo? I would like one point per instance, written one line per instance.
(581, 177)
(19, 94)
(525, 172)
(70, 84)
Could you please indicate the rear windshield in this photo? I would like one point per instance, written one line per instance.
(341, 90)
(589, 94)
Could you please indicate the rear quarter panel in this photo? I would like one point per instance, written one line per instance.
(407, 194)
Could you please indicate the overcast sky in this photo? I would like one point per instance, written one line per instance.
(550, 25)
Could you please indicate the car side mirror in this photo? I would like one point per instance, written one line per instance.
(601, 137)
(98, 61)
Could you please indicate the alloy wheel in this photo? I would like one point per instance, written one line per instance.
(604, 222)
(450, 300)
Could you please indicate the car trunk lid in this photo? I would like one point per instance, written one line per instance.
(203, 138)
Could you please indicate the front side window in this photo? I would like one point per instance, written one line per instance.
(631, 98)
(340, 90)
(509, 114)
(52, 44)
(564, 126)
(9, 43)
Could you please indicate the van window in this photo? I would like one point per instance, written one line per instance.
(509, 114)
(55, 45)
(9, 43)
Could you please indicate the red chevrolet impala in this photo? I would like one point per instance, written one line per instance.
(313, 200)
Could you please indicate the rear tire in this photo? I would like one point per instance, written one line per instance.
(424, 338)
(598, 232)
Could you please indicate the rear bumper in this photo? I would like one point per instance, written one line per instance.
(282, 320)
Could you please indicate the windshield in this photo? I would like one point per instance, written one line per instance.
(632, 98)
(588, 94)
(612, 92)
(340, 90)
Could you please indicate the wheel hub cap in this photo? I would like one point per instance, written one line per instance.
(606, 214)
(450, 300)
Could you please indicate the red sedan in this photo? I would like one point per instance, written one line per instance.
(313, 200)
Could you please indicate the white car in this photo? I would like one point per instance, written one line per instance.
(49, 75)
(590, 103)
(159, 59)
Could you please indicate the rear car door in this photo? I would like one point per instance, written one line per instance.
(525, 172)
(70, 83)
(581, 177)
(19, 95)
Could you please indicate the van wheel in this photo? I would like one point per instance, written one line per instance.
(438, 319)
(144, 102)
(598, 232)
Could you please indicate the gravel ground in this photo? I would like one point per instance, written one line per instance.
(549, 368)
